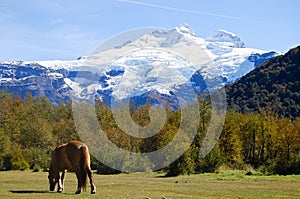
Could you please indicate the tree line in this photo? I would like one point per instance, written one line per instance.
(32, 127)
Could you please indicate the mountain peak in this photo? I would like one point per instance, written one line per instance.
(169, 38)
(185, 29)
(228, 38)
(136, 68)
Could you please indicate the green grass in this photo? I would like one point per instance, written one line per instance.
(27, 184)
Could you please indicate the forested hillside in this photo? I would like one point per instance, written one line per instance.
(31, 128)
(273, 86)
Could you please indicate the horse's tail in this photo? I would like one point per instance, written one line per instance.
(84, 165)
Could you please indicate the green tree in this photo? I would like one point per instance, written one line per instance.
(230, 145)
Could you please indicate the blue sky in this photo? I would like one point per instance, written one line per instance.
(68, 29)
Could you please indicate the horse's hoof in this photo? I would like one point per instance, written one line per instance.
(59, 191)
(78, 191)
(93, 191)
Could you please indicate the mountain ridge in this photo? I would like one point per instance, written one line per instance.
(273, 86)
(61, 80)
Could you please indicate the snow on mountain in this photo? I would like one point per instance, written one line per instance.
(60, 64)
(185, 29)
(151, 70)
(164, 61)
(226, 39)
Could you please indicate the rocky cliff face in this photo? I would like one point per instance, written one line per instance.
(38, 80)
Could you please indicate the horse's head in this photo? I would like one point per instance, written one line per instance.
(52, 180)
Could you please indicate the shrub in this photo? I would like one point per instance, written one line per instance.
(210, 163)
(15, 161)
(103, 169)
(184, 165)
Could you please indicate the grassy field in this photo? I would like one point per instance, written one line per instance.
(27, 184)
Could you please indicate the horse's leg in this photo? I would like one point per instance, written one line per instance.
(62, 181)
(78, 191)
(58, 180)
(93, 187)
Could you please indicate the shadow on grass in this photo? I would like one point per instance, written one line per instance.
(29, 191)
(38, 191)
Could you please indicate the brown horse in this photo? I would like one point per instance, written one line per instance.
(72, 156)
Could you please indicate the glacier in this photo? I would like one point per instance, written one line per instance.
(158, 61)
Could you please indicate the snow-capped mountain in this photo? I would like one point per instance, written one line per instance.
(165, 62)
